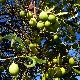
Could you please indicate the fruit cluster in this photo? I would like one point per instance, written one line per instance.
(49, 22)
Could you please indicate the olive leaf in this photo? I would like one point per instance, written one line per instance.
(31, 65)
(43, 77)
(59, 60)
(19, 40)
(14, 38)
(34, 59)
(9, 36)
(48, 11)
(39, 61)
(77, 5)
(62, 13)
(76, 71)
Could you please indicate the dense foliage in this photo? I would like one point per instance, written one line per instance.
(36, 37)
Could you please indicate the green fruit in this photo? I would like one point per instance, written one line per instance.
(63, 70)
(14, 69)
(1, 38)
(57, 72)
(53, 27)
(40, 25)
(71, 61)
(47, 23)
(22, 13)
(56, 25)
(55, 37)
(52, 18)
(2, 1)
(31, 45)
(43, 15)
(29, 15)
(54, 60)
(51, 72)
(32, 22)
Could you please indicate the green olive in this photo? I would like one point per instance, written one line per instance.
(43, 15)
(14, 69)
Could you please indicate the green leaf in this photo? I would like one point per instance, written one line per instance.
(34, 59)
(9, 36)
(43, 77)
(32, 65)
(48, 11)
(18, 39)
(40, 61)
(77, 5)
(62, 13)
(12, 41)
(56, 79)
(76, 71)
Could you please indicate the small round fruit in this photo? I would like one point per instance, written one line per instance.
(40, 25)
(1, 38)
(43, 15)
(55, 37)
(53, 27)
(31, 45)
(47, 23)
(51, 72)
(2, 1)
(32, 22)
(63, 70)
(29, 15)
(54, 60)
(58, 72)
(14, 69)
(22, 13)
(71, 61)
(52, 18)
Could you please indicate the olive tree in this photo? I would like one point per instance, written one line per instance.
(36, 36)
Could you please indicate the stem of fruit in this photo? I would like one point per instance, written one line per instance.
(14, 77)
(34, 9)
(58, 59)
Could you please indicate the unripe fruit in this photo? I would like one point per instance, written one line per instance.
(54, 60)
(29, 15)
(14, 69)
(63, 70)
(55, 37)
(43, 15)
(22, 13)
(71, 61)
(32, 22)
(1, 38)
(2, 1)
(40, 25)
(31, 45)
(58, 72)
(51, 72)
(47, 23)
(52, 18)
(53, 27)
